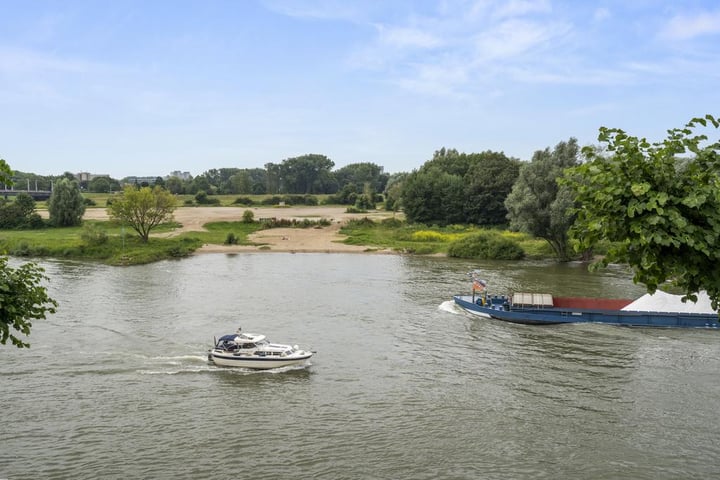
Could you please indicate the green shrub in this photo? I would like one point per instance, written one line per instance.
(486, 245)
(231, 239)
(360, 223)
(243, 201)
(355, 210)
(93, 235)
(202, 198)
(248, 216)
(391, 222)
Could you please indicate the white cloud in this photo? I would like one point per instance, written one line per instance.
(408, 37)
(321, 10)
(516, 37)
(601, 14)
(21, 61)
(516, 8)
(436, 79)
(683, 27)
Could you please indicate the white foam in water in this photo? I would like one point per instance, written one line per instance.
(448, 306)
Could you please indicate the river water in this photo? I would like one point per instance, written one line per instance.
(403, 386)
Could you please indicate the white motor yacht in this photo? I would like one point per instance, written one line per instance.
(251, 350)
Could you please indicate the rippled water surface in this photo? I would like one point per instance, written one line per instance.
(117, 384)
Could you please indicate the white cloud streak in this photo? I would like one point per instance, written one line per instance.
(683, 27)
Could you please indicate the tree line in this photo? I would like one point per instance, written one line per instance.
(306, 174)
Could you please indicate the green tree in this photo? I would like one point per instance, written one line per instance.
(25, 204)
(238, 183)
(306, 174)
(431, 196)
(488, 182)
(450, 161)
(174, 185)
(201, 182)
(143, 209)
(6, 173)
(66, 205)
(393, 191)
(659, 205)
(360, 174)
(22, 296)
(538, 205)
(22, 299)
(100, 185)
(486, 179)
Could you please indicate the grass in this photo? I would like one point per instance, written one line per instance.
(119, 248)
(419, 239)
(121, 245)
(115, 244)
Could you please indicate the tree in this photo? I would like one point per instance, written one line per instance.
(22, 299)
(360, 174)
(99, 185)
(658, 203)
(66, 206)
(143, 209)
(486, 179)
(306, 174)
(22, 296)
(393, 191)
(19, 213)
(174, 185)
(432, 196)
(488, 182)
(538, 205)
(5, 173)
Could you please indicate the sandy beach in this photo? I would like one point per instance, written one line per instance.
(300, 240)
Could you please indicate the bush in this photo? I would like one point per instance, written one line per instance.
(243, 201)
(33, 222)
(248, 216)
(355, 210)
(428, 236)
(361, 222)
(93, 235)
(486, 245)
(202, 198)
(231, 239)
(294, 223)
(391, 222)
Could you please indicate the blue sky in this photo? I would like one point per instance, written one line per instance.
(147, 87)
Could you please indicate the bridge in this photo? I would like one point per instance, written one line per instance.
(35, 194)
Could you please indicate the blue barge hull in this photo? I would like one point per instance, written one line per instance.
(500, 309)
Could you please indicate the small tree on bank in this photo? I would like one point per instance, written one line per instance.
(143, 209)
(66, 206)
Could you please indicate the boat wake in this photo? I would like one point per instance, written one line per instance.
(173, 365)
(450, 307)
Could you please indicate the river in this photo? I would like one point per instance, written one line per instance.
(403, 386)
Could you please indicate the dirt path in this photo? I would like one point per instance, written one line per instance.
(324, 239)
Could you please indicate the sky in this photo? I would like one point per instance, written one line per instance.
(144, 88)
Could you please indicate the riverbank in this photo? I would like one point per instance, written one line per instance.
(295, 240)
